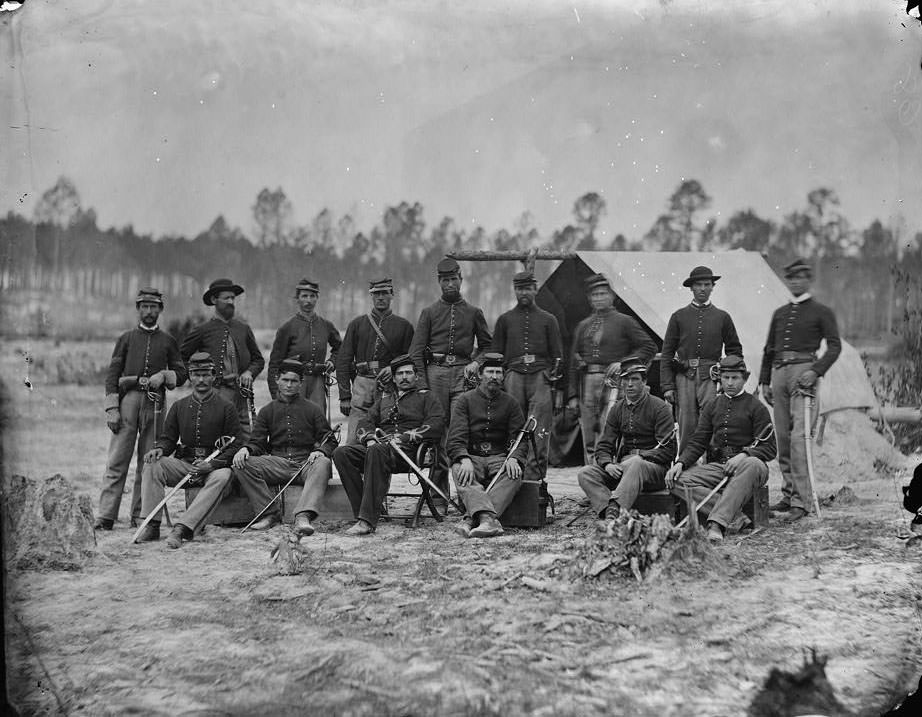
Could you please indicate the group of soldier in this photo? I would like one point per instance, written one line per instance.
(451, 385)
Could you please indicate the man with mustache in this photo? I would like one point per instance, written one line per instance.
(600, 343)
(230, 343)
(696, 337)
(371, 341)
(727, 430)
(412, 414)
(305, 336)
(443, 348)
(529, 338)
(288, 432)
(485, 422)
(192, 427)
(635, 450)
(145, 361)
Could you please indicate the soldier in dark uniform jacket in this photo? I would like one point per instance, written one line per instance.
(696, 337)
(231, 344)
(529, 338)
(365, 469)
(600, 343)
(484, 425)
(288, 432)
(636, 448)
(145, 361)
(306, 336)
(371, 341)
(193, 426)
(789, 369)
(728, 430)
(443, 347)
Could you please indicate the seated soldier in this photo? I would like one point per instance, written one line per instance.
(192, 427)
(485, 422)
(736, 431)
(290, 435)
(635, 450)
(412, 415)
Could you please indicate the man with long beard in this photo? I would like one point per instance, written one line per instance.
(230, 343)
(485, 422)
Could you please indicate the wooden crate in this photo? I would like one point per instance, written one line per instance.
(528, 509)
(653, 502)
(757, 508)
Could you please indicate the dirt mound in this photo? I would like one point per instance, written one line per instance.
(47, 525)
(853, 450)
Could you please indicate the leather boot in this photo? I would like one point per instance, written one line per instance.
(715, 532)
(360, 528)
(782, 506)
(302, 524)
(150, 533)
(175, 538)
(266, 522)
(795, 515)
(489, 526)
(612, 511)
(103, 524)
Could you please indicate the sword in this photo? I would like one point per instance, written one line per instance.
(808, 444)
(395, 444)
(612, 383)
(329, 378)
(220, 444)
(528, 427)
(247, 393)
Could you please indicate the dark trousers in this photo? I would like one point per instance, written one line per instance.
(366, 477)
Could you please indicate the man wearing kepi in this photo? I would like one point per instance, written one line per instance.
(600, 343)
(735, 430)
(529, 338)
(413, 415)
(696, 337)
(485, 422)
(144, 364)
(443, 347)
(290, 434)
(371, 341)
(790, 371)
(231, 344)
(193, 426)
(306, 336)
(636, 447)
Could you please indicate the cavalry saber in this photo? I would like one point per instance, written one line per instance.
(393, 443)
(247, 393)
(220, 444)
(808, 444)
(326, 436)
(766, 433)
(528, 427)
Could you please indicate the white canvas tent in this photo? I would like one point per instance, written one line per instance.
(650, 286)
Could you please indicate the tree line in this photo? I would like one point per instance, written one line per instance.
(62, 247)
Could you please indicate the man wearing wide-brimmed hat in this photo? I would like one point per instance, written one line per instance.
(145, 363)
(636, 447)
(696, 337)
(305, 337)
(529, 339)
(190, 434)
(790, 373)
(443, 348)
(735, 430)
(370, 342)
(230, 343)
(600, 342)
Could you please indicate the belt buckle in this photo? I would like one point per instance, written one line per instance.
(199, 452)
(528, 359)
(693, 363)
(484, 448)
(449, 359)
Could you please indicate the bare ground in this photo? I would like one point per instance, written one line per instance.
(424, 622)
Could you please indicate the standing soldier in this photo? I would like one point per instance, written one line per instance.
(291, 435)
(232, 346)
(443, 349)
(371, 341)
(735, 431)
(305, 337)
(600, 342)
(696, 337)
(192, 429)
(635, 449)
(790, 374)
(144, 364)
(410, 414)
(529, 338)
(484, 427)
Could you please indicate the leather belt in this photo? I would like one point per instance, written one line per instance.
(788, 358)
(596, 368)
(447, 359)
(722, 454)
(368, 369)
(485, 449)
(631, 452)
(194, 453)
(229, 380)
(314, 369)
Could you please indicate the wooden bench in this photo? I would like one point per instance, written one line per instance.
(662, 501)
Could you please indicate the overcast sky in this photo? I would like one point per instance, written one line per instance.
(166, 114)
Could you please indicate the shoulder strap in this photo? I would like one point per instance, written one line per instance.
(379, 332)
